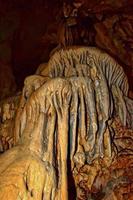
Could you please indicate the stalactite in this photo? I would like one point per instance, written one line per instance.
(65, 114)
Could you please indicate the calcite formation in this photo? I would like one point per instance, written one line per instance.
(8, 110)
(28, 36)
(73, 132)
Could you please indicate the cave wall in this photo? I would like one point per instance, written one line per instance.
(30, 30)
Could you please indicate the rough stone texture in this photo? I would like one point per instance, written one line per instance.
(30, 30)
(73, 132)
(8, 109)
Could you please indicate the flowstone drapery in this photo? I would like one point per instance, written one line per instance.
(66, 130)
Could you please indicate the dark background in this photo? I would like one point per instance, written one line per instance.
(29, 30)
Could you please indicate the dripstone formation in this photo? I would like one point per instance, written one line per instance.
(72, 136)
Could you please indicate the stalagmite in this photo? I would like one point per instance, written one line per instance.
(66, 114)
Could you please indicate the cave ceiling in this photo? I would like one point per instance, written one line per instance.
(29, 31)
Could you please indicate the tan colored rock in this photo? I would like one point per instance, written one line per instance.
(68, 114)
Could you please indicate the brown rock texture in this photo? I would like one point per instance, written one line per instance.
(8, 110)
(30, 30)
(72, 132)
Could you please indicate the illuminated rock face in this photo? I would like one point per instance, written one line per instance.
(68, 122)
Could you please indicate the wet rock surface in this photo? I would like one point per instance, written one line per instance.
(30, 30)
(72, 131)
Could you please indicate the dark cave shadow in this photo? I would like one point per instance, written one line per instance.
(71, 183)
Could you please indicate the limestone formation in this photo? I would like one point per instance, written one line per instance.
(73, 132)
(8, 110)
